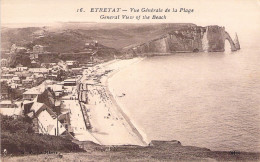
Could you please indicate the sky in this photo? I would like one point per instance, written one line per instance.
(235, 15)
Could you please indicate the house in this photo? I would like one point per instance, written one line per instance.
(23, 73)
(64, 118)
(38, 78)
(9, 108)
(57, 89)
(48, 98)
(34, 56)
(27, 83)
(35, 64)
(72, 64)
(7, 76)
(39, 70)
(52, 77)
(21, 68)
(14, 85)
(37, 49)
(16, 80)
(44, 120)
(77, 71)
(33, 92)
(48, 65)
(91, 45)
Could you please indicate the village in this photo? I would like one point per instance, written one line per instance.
(66, 99)
(42, 93)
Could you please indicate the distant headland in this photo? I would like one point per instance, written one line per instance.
(191, 38)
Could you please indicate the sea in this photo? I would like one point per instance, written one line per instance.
(209, 100)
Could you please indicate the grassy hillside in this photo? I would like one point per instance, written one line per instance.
(157, 151)
(20, 36)
(70, 38)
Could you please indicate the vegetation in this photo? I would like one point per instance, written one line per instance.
(156, 151)
(18, 138)
(69, 37)
(19, 58)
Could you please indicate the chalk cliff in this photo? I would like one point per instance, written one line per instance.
(190, 39)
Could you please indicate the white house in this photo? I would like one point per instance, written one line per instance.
(45, 120)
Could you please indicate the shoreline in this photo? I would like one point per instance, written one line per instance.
(110, 124)
(119, 107)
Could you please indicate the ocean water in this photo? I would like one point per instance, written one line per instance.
(208, 100)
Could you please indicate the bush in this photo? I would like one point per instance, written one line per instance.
(24, 143)
(12, 125)
(18, 139)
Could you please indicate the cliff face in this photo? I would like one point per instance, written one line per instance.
(216, 37)
(191, 39)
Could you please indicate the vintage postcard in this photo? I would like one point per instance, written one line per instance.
(130, 80)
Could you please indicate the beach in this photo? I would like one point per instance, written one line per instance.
(110, 125)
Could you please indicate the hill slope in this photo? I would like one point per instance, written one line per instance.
(66, 37)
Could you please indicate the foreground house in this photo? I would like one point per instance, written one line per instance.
(44, 119)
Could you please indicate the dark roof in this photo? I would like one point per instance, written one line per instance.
(47, 98)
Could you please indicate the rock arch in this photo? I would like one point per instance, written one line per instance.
(232, 44)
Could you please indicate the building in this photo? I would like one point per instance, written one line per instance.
(44, 119)
(39, 70)
(27, 83)
(23, 74)
(7, 76)
(52, 77)
(91, 45)
(72, 64)
(21, 68)
(57, 89)
(16, 80)
(9, 108)
(77, 71)
(33, 92)
(37, 49)
(70, 82)
(64, 118)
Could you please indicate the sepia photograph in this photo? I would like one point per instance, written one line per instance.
(158, 80)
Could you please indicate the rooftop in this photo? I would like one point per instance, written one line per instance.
(6, 102)
(35, 90)
(36, 106)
